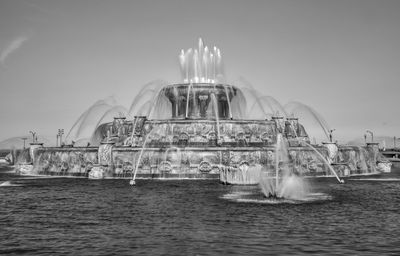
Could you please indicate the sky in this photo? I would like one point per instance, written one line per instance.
(341, 58)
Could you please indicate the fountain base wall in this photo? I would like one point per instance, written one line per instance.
(239, 165)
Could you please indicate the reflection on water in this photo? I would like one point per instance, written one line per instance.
(104, 217)
(9, 184)
(376, 179)
(248, 197)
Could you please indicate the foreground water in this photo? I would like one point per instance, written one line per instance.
(103, 217)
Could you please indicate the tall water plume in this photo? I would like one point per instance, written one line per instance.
(201, 65)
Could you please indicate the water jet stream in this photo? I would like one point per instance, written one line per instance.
(188, 99)
(326, 162)
(139, 158)
(216, 113)
(318, 153)
(229, 101)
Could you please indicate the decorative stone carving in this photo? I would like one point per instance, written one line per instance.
(128, 141)
(235, 158)
(225, 157)
(244, 166)
(279, 123)
(138, 123)
(33, 149)
(104, 154)
(183, 138)
(147, 127)
(292, 127)
(97, 172)
(204, 100)
(165, 167)
(212, 136)
(241, 139)
(205, 167)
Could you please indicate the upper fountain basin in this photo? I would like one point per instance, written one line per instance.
(198, 101)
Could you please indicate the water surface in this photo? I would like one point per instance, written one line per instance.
(48, 216)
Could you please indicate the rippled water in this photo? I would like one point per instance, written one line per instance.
(102, 217)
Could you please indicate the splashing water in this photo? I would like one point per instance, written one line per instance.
(9, 184)
(249, 195)
(284, 183)
(201, 65)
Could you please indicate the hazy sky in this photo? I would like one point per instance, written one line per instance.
(342, 58)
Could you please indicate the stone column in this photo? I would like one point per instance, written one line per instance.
(373, 151)
(292, 127)
(105, 158)
(138, 123)
(204, 100)
(118, 126)
(279, 123)
(33, 147)
(332, 151)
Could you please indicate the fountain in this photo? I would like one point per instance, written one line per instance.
(203, 128)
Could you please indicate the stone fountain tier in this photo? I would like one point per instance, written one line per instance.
(234, 151)
(234, 165)
(204, 133)
(199, 133)
(196, 100)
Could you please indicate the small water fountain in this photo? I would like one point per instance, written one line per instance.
(203, 128)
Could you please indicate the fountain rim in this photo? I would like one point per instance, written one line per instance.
(211, 120)
(201, 85)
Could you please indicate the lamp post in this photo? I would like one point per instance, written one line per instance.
(372, 135)
(60, 134)
(330, 134)
(33, 136)
(394, 141)
(24, 139)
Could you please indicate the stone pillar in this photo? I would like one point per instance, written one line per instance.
(182, 106)
(374, 147)
(138, 123)
(279, 123)
(204, 100)
(332, 151)
(292, 127)
(33, 147)
(105, 158)
(373, 151)
(119, 126)
(223, 107)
